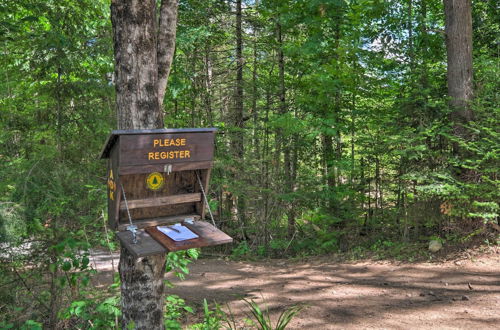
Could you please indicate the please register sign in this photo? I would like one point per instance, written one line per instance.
(164, 145)
(176, 147)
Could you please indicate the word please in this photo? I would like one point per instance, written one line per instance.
(169, 142)
(169, 154)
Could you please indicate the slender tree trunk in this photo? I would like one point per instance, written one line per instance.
(237, 115)
(411, 54)
(284, 140)
(458, 28)
(265, 155)
(328, 160)
(255, 114)
(59, 111)
(143, 55)
(208, 85)
(424, 75)
(166, 44)
(378, 186)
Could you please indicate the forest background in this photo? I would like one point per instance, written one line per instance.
(335, 133)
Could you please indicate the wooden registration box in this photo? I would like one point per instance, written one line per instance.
(156, 175)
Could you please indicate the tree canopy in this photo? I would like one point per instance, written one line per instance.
(336, 131)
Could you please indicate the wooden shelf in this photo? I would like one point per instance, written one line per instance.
(145, 246)
(208, 236)
(160, 201)
(158, 221)
(151, 241)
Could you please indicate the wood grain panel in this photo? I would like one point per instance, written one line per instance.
(145, 246)
(161, 201)
(177, 183)
(159, 221)
(113, 213)
(176, 167)
(134, 149)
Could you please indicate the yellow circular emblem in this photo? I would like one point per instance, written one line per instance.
(155, 181)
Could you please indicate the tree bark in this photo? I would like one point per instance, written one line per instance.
(166, 44)
(237, 141)
(237, 146)
(284, 139)
(142, 285)
(143, 56)
(458, 28)
(136, 69)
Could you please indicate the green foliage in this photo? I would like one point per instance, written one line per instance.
(348, 142)
(94, 314)
(212, 319)
(177, 261)
(28, 325)
(264, 320)
(175, 309)
(31, 325)
(241, 250)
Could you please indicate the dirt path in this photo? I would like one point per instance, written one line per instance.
(462, 294)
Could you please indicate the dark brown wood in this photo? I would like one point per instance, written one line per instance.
(208, 236)
(175, 183)
(160, 201)
(113, 214)
(180, 195)
(115, 134)
(159, 221)
(153, 149)
(211, 235)
(145, 246)
(176, 167)
(205, 178)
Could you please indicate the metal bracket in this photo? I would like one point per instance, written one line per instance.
(133, 230)
(167, 169)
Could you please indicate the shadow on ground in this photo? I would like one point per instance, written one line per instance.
(359, 295)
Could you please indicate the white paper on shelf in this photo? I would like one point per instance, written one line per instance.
(177, 232)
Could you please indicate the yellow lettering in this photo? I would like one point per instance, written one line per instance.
(112, 195)
(163, 143)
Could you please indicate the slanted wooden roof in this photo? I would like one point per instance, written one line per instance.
(113, 137)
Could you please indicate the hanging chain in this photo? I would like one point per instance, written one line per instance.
(206, 200)
(131, 227)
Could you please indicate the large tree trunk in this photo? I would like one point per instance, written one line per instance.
(143, 55)
(458, 21)
(136, 68)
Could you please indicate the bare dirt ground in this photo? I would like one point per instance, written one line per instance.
(463, 293)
